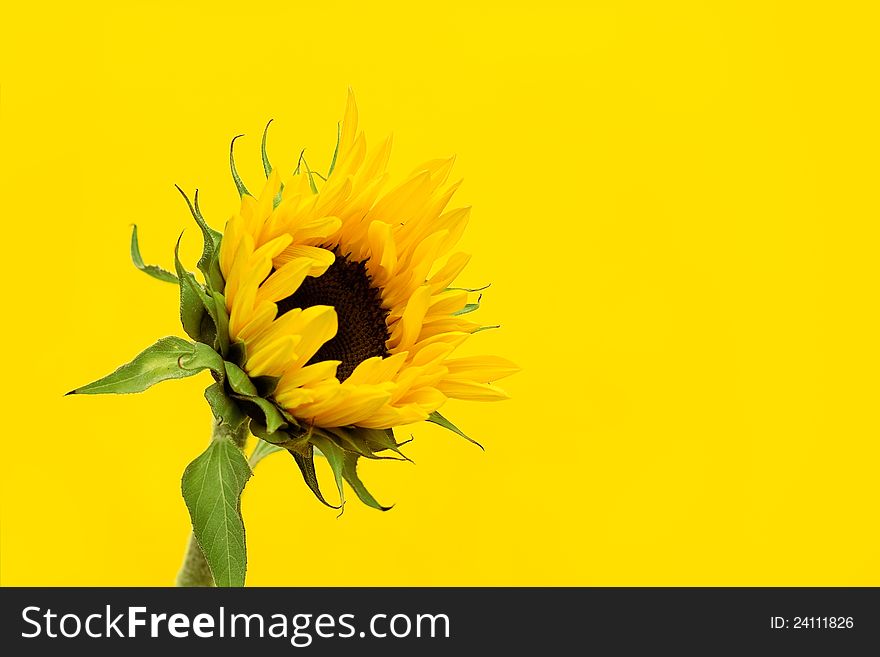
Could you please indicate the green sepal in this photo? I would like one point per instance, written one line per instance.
(362, 441)
(382, 439)
(151, 270)
(244, 390)
(311, 176)
(194, 303)
(335, 150)
(209, 263)
(438, 419)
(224, 408)
(261, 451)
(469, 289)
(212, 485)
(269, 415)
(169, 358)
(221, 320)
(267, 167)
(237, 354)
(486, 328)
(278, 437)
(238, 380)
(305, 459)
(239, 185)
(265, 385)
(469, 308)
(335, 457)
(349, 472)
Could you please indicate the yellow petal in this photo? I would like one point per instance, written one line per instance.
(284, 281)
(321, 259)
(274, 358)
(320, 326)
(377, 369)
(453, 267)
(481, 369)
(408, 328)
(472, 391)
(308, 375)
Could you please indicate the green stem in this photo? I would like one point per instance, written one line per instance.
(195, 571)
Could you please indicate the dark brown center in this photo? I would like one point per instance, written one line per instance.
(362, 331)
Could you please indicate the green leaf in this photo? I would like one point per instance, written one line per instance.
(212, 485)
(261, 451)
(169, 358)
(349, 471)
(267, 167)
(209, 263)
(305, 459)
(224, 408)
(239, 185)
(151, 270)
(335, 150)
(436, 418)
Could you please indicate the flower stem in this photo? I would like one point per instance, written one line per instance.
(195, 571)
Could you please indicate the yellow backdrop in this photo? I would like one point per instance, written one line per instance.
(676, 204)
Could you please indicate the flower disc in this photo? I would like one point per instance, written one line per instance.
(342, 291)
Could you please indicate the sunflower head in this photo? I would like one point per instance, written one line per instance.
(328, 314)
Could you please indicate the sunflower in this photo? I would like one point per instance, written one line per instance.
(339, 288)
(326, 318)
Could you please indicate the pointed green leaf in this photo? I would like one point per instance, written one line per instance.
(306, 462)
(212, 485)
(151, 270)
(224, 408)
(335, 150)
(261, 451)
(436, 418)
(169, 358)
(267, 167)
(239, 185)
(349, 471)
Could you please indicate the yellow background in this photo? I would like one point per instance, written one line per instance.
(676, 203)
